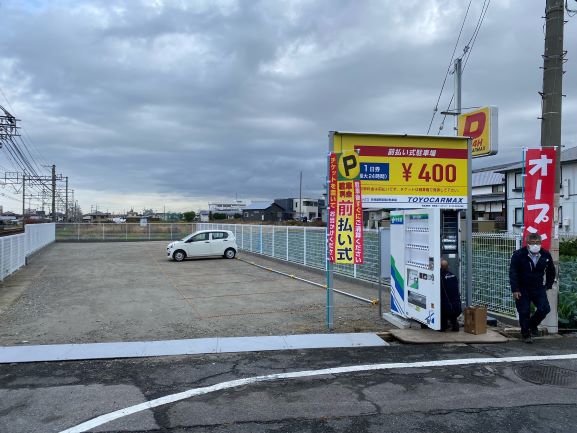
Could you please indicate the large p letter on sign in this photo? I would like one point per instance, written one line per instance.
(349, 167)
(481, 126)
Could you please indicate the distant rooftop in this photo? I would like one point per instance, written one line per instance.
(567, 155)
(259, 205)
(486, 178)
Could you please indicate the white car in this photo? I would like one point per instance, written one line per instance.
(204, 243)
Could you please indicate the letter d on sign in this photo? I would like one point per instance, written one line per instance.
(349, 166)
(475, 125)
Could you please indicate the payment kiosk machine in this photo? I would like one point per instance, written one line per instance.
(427, 180)
(419, 239)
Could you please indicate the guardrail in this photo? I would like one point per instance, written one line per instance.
(15, 248)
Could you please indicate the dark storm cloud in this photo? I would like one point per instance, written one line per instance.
(225, 98)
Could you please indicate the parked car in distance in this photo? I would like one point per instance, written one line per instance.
(204, 243)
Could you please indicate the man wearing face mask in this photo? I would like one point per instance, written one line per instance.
(531, 274)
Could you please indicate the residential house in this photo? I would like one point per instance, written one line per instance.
(567, 201)
(263, 211)
(97, 217)
(305, 208)
(488, 200)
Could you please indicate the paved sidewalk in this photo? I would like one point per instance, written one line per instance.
(144, 349)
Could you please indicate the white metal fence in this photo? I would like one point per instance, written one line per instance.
(307, 246)
(123, 232)
(302, 245)
(15, 248)
(296, 244)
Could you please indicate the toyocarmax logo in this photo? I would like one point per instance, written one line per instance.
(448, 200)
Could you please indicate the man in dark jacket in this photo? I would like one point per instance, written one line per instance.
(450, 298)
(531, 274)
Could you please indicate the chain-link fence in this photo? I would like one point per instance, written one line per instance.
(490, 280)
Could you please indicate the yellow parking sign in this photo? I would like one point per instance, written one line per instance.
(404, 172)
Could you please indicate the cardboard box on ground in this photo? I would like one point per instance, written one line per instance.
(476, 320)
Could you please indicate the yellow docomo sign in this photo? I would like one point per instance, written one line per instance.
(349, 166)
(406, 172)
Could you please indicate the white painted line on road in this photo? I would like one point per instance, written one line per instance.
(103, 419)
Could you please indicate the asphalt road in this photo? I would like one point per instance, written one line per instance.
(501, 397)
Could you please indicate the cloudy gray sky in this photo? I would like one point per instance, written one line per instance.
(153, 103)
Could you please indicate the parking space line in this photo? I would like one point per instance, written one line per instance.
(228, 295)
(103, 419)
(174, 286)
(285, 310)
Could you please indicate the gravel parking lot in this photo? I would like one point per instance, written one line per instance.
(130, 291)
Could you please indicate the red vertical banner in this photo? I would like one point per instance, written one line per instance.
(345, 233)
(539, 193)
(358, 203)
(332, 227)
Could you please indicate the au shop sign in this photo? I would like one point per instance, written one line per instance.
(539, 193)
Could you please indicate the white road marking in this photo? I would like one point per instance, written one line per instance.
(103, 419)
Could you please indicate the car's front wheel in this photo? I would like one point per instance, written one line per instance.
(230, 253)
(179, 256)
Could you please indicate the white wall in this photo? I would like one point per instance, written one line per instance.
(15, 248)
(478, 190)
(306, 210)
(568, 201)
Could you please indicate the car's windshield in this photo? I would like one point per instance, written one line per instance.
(184, 239)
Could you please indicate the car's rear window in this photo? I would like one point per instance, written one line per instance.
(219, 235)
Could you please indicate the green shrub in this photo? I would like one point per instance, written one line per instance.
(568, 248)
(567, 309)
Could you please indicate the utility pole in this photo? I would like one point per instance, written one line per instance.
(53, 193)
(66, 203)
(301, 196)
(23, 199)
(458, 72)
(552, 96)
(458, 75)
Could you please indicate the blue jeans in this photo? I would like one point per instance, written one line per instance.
(539, 299)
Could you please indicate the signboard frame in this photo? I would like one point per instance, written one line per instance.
(491, 134)
(469, 211)
(423, 171)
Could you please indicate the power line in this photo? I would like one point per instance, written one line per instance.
(570, 12)
(467, 52)
(23, 131)
(471, 43)
(449, 68)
